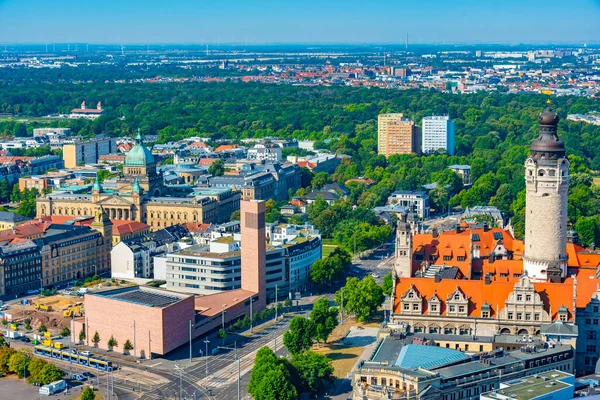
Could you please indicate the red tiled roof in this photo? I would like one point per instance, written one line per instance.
(194, 227)
(224, 147)
(122, 227)
(206, 161)
(14, 159)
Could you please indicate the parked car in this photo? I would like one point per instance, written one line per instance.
(79, 377)
(86, 353)
(375, 275)
(88, 374)
(3, 307)
(25, 339)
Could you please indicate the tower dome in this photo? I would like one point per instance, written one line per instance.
(139, 155)
(547, 146)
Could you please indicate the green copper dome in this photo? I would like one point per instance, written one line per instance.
(97, 187)
(139, 155)
(136, 186)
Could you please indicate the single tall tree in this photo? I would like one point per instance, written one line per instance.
(300, 336)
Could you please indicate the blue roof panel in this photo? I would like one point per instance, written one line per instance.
(418, 356)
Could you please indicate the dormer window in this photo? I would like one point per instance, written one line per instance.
(457, 297)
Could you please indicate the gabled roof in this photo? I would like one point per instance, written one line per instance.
(495, 294)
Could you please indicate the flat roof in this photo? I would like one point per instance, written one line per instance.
(531, 387)
(212, 304)
(143, 296)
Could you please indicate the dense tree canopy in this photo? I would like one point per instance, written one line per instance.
(493, 130)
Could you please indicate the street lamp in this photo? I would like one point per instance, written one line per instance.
(206, 342)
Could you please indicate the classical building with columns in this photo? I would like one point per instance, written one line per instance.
(140, 195)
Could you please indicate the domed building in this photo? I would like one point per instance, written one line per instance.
(140, 195)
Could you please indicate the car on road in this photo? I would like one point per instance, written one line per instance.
(88, 374)
(3, 307)
(79, 377)
(375, 275)
(86, 353)
(72, 351)
(24, 339)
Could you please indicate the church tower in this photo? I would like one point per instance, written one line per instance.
(403, 258)
(547, 184)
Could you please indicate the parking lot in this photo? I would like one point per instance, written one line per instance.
(15, 389)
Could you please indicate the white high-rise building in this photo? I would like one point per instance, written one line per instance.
(437, 133)
(547, 185)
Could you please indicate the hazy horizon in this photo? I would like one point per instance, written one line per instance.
(271, 22)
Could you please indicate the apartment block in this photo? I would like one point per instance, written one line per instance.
(87, 152)
(438, 134)
(396, 135)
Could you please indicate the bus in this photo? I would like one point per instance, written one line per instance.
(61, 354)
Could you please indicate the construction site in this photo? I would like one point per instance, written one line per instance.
(53, 312)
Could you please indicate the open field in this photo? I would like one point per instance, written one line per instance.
(328, 249)
(343, 357)
(26, 120)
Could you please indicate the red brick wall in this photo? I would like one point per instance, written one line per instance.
(176, 324)
(112, 317)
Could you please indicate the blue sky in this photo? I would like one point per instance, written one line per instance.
(292, 21)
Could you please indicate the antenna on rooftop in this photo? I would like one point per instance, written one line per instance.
(406, 40)
(206, 49)
(46, 48)
(87, 47)
(53, 47)
(122, 50)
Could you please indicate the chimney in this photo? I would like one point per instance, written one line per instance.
(488, 279)
(434, 233)
(253, 249)
(83, 105)
(486, 227)
(99, 106)
(438, 278)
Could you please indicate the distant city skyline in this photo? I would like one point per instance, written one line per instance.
(310, 21)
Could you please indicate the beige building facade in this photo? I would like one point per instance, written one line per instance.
(397, 135)
(141, 196)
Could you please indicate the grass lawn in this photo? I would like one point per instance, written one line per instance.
(328, 249)
(343, 357)
(96, 392)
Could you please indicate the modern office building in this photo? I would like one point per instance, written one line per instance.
(87, 152)
(216, 267)
(20, 268)
(396, 135)
(437, 134)
(158, 321)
